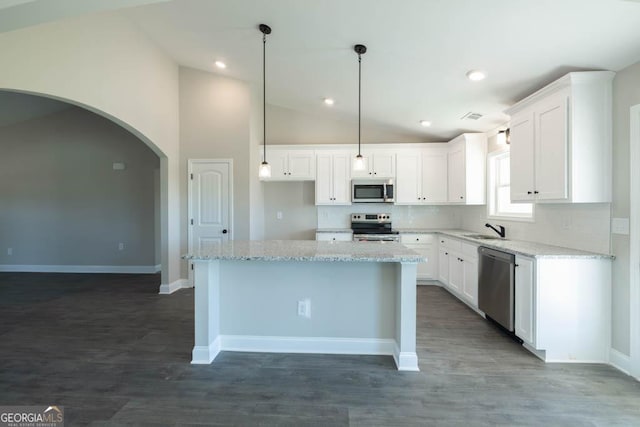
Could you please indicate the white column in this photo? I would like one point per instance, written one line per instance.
(206, 311)
(405, 355)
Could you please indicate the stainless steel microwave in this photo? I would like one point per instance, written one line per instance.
(372, 191)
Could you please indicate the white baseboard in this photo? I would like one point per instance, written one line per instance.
(405, 361)
(620, 361)
(169, 288)
(121, 269)
(268, 344)
(203, 355)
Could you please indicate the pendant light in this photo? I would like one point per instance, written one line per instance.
(360, 49)
(265, 168)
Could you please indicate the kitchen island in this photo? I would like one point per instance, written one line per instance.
(306, 297)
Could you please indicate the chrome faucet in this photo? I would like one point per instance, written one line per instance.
(501, 232)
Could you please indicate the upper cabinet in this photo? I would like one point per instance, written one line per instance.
(291, 164)
(466, 169)
(421, 175)
(561, 141)
(378, 164)
(333, 178)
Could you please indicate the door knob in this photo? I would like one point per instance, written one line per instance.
(225, 231)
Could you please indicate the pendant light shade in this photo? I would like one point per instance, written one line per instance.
(265, 168)
(358, 164)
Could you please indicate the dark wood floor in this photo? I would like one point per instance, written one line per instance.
(114, 352)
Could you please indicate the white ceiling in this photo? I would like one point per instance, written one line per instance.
(418, 50)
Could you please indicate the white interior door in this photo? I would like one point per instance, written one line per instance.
(210, 204)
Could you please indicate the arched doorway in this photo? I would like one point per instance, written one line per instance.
(166, 247)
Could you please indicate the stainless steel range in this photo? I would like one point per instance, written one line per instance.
(373, 228)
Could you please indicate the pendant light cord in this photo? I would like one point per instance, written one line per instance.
(359, 96)
(264, 96)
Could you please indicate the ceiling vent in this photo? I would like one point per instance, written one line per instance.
(471, 116)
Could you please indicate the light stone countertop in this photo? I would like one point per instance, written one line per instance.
(518, 247)
(307, 250)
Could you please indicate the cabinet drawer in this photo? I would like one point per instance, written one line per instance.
(470, 251)
(338, 237)
(417, 239)
(449, 243)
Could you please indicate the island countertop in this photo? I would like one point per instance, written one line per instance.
(307, 250)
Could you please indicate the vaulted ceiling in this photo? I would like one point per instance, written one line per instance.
(418, 50)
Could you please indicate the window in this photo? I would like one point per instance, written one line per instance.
(499, 191)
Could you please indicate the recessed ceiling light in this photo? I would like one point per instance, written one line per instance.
(221, 64)
(328, 101)
(425, 123)
(476, 75)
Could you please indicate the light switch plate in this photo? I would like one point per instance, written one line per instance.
(620, 226)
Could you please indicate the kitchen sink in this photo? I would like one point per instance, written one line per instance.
(483, 237)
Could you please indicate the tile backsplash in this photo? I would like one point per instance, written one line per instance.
(578, 226)
(402, 216)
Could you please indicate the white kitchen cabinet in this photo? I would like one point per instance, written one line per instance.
(333, 178)
(563, 308)
(443, 265)
(291, 165)
(466, 169)
(421, 176)
(334, 237)
(525, 299)
(460, 261)
(378, 164)
(456, 272)
(561, 141)
(425, 245)
(522, 157)
(470, 267)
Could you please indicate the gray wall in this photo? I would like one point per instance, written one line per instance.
(61, 201)
(215, 113)
(626, 93)
(296, 201)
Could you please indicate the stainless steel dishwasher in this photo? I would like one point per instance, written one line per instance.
(496, 274)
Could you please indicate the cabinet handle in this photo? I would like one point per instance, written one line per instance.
(461, 197)
(517, 265)
(535, 192)
(446, 253)
(529, 192)
(417, 240)
(369, 173)
(375, 173)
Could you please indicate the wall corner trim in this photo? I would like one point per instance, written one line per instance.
(169, 288)
(620, 361)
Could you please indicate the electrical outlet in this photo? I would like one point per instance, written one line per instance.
(304, 308)
(120, 246)
(9, 251)
(279, 215)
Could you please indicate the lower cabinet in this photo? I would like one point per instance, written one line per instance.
(458, 268)
(443, 265)
(470, 283)
(327, 237)
(425, 245)
(525, 299)
(563, 308)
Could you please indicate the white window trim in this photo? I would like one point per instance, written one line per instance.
(490, 158)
